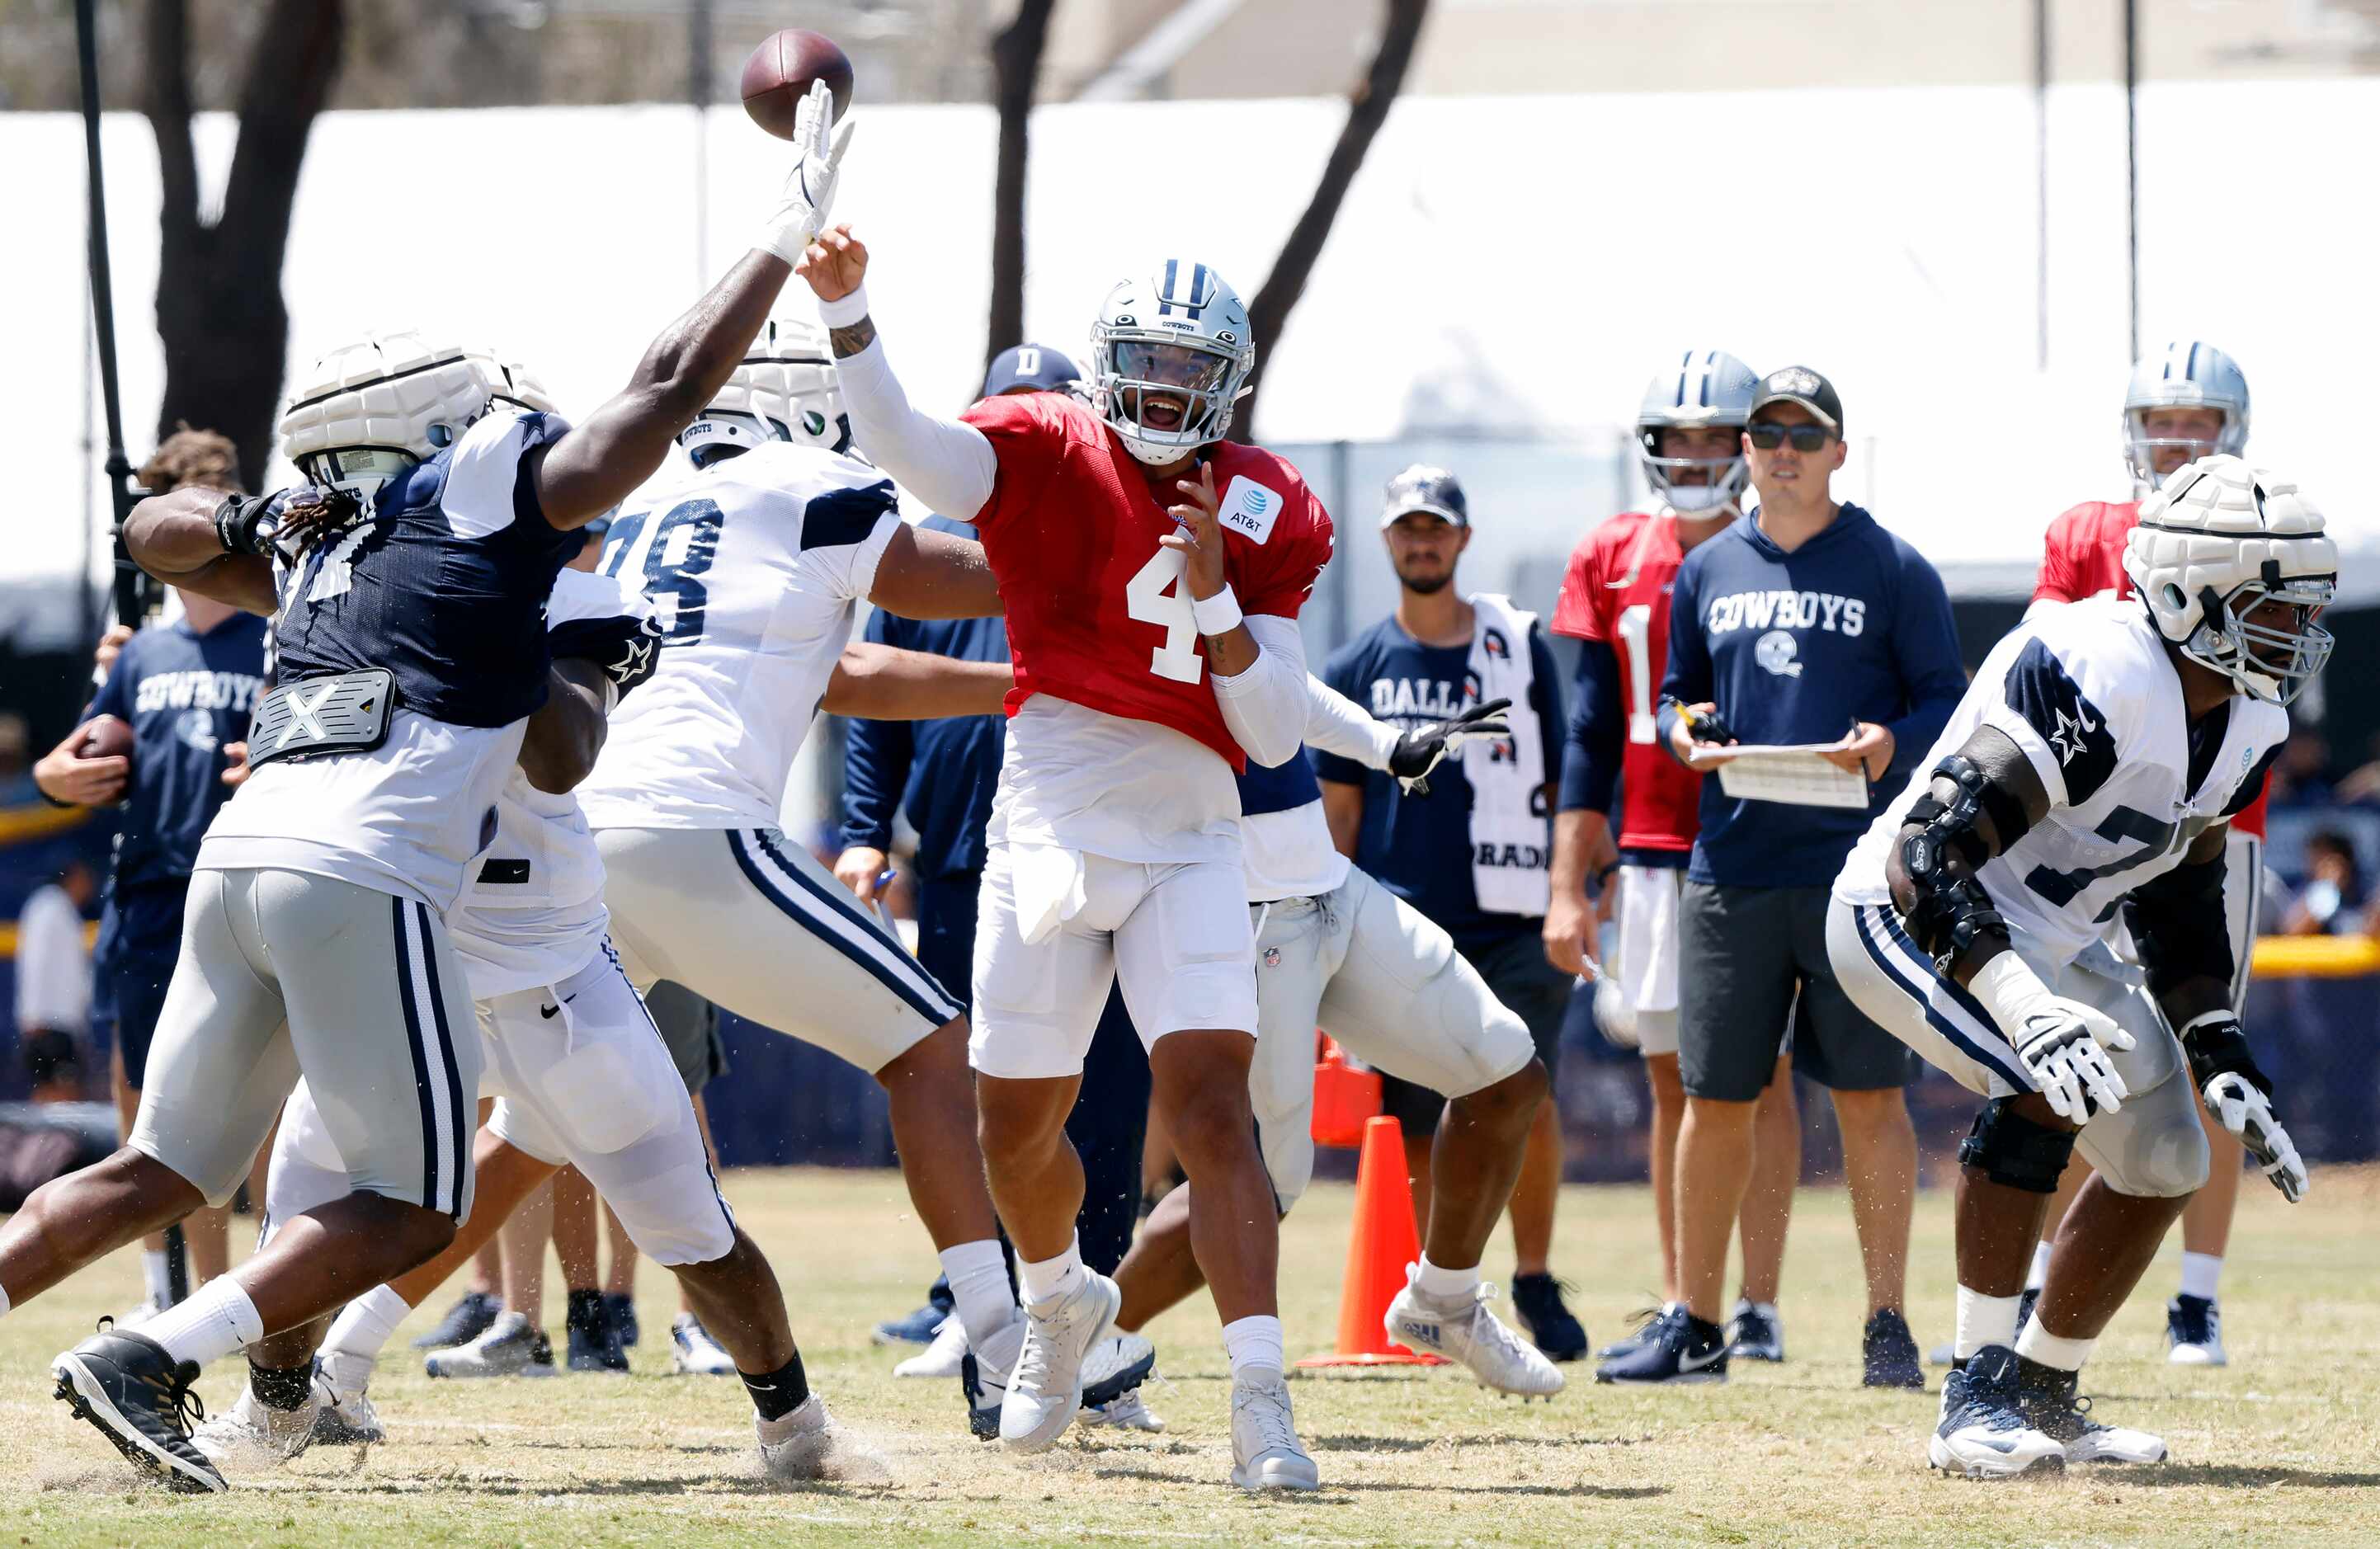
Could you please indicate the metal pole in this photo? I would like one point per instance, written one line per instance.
(698, 93)
(2133, 167)
(2041, 181)
(131, 586)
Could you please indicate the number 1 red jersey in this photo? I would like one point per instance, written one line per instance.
(1616, 589)
(1098, 613)
(2084, 556)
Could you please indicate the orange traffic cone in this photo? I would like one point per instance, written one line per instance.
(1382, 1243)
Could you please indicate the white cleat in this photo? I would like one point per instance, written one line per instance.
(2053, 1406)
(1266, 1453)
(2194, 1333)
(1128, 1412)
(1466, 1330)
(694, 1353)
(807, 1446)
(509, 1348)
(252, 1436)
(941, 1358)
(1983, 1431)
(1045, 1391)
(346, 1417)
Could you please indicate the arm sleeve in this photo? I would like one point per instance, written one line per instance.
(1267, 706)
(1340, 677)
(1336, 724)
(875, 761)
(1546, 703)
(1687, 680)
(1597, 739)
(949, 466)
(485, 492)
(1926, 644)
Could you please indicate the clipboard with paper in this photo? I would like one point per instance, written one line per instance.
(1797, 775)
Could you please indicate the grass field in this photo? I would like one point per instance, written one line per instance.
(2282, 1448)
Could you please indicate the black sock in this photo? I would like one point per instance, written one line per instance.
(277, 1389)
(587, 1310)
(781, 1392)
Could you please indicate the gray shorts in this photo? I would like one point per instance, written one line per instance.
(689, 1026)
(284, 974)
(1743, 954)
(1519, 978)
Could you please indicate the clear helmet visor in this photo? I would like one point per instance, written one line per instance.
(362, 468)
(2154, 458)
(1170, 390)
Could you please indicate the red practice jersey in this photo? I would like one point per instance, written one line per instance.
(1616, 589)
(2084, 556)
(1097, 614)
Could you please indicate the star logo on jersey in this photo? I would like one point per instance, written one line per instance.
(2067, 739)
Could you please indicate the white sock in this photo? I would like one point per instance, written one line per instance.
(1984, 1320)
(157, 1276)
(1441, 1283)
(367, 1324)
(1042, 1279)
(2200, 1274)
(1253, 1343)
(507, 1321)
(978, 1276)
(216, 1320)
(2038, 1275)
(2038, 1343)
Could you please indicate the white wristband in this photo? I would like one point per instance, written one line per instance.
(844, 313)
(2010, 991)
(1219, 614)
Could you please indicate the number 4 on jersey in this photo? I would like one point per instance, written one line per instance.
(1156, 595)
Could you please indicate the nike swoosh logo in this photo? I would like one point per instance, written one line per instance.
(549, 1012)
(1996, 1447)
(1694, 1364)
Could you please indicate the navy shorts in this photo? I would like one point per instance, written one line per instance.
(140, 938)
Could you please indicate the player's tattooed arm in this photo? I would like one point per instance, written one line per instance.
(885, 683)
(175, 537)
(849, 341)
(566, 733)
(603, 460)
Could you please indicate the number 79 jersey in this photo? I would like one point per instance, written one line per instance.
(752, 567)
(2089, 695)
(1097, 614)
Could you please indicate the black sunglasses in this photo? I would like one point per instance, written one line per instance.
(1805, 438)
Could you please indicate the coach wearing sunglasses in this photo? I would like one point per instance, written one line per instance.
(1807, 623)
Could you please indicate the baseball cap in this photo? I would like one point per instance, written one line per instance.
(1798, 385)
(1034, 368)
(1423, 488)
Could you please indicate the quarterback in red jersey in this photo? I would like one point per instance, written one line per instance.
(1152, 573)
(1615, 600)
(2184, 401)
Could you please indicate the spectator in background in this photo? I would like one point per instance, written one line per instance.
(1473, 853)
(16, 786)
(2302, 776)
(2332, 901)
(187, 689)
(942, 775)
(54, 984)
(1803, 619)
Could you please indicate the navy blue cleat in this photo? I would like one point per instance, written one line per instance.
(1888, 1354)
(1537, 1300)
(464, 1322)
(1984, 1432)
(1680, 1348)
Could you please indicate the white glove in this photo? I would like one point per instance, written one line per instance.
(2062, 1044)
(808, 194)
(1614, 1015)
(2248, 1113)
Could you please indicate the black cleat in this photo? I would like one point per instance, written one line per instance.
(1537, 1298)
(1888, 1353)
(464, 1322)
(126, 1387)
(595, 1344)
(621, 1308)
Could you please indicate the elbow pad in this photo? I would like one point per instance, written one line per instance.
(1952, 912)
(2179, 924)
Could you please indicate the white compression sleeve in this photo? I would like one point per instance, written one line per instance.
(1266, 707)
(1337, 724)
(948, 465)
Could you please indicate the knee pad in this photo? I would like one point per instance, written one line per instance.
(2013, 1151)
(2153, 1147)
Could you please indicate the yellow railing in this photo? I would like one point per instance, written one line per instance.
(2316, 957)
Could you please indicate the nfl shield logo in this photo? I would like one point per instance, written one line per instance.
(1272, 957)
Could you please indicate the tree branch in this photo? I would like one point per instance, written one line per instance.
(1368, 109)
(166, 104)
(1016, 67)
(290, 74)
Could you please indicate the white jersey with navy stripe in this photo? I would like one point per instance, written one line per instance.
(532, 913)
(754, 567)
(2091, 696)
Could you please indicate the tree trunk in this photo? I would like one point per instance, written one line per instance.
(219, 310)
(1368, 109)
(1015, 71)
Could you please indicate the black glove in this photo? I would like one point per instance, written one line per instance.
(254, 524)
(1419, 751)
(2241, 1097)
(2221, 1049)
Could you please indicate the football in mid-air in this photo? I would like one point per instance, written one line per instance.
(778, 75)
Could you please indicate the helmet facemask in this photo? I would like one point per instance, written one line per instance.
(2269, 661)
(1166, 397)
(1723, 491)
(2140, 448)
